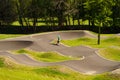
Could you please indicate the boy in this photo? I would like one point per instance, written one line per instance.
(58, 39)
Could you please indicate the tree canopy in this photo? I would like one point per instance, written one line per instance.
(107, 11)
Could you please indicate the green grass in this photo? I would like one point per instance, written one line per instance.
(13, 71)
(1, 62)
(111, 53)
(48, 74)
(4, 36)
(45, 56)
(111, 41)
(42, 22)
(105, 35)
(16, 23)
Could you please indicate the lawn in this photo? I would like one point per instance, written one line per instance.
(111, 53)
(4, 36)
(16, 23)
(42, 22)
(13, 71)
(45, 56)
(106, 35)
(111, 41)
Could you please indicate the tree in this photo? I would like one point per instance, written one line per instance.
(81, 9)
(103, 15)
(38, 9)
(22, 6)
(8, 12)
(100, 12)
(116, 13)
(61, 8)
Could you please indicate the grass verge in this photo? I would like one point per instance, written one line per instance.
(111, 53)
(111, 41)
(104, 35)
(108, 52)
(4, 36)
(45, 56)
(12, 71)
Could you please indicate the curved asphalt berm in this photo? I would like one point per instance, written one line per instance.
(14, 44)
(91, 64)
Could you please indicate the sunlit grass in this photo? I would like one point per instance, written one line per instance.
(105, 35)
(4, 36)
(111, 41)
(112, 53)
(108, 52)
(12, 71)
(16, 23)
(45, 56)
(1, 62)
(42, 22)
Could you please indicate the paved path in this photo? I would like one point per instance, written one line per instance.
(91, 64)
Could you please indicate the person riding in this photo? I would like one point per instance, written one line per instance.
(58, 39)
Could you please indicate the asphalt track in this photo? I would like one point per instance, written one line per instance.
(91, 64)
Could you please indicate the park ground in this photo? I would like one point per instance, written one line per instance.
(9, 70)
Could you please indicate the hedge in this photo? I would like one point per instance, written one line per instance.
(30, 29)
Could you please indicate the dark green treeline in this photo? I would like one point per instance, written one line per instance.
(60, 12)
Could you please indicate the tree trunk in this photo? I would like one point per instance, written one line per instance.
(45, 21)
(27, 24)
(21, 21)
(82, 21)
(66, 23)
(73, 21)
(60, 21)
(113, 22)
(99, 32)
(34, 22)
(93, 24)
(0, 23)
(69, 20)
(50, 21)
(89, 22)
(78, 22)
(19, 14)
(53, 21)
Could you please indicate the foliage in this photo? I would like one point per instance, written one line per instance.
(95, 11)
(7, 11)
